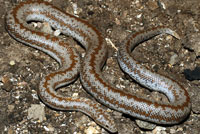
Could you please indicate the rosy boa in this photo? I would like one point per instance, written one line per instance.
(91, 68)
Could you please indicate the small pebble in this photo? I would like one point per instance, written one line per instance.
(7, 83)
(12, 63)
(10, 108)
(145, 125)
(49, 128)
(152, 4)
(46, 28)
(57, 33)
(173, 59)
(192, 42)
(161, 4)
(91, 130)
(159, 130)
(36, 112)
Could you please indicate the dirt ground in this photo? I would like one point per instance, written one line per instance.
(23, 67)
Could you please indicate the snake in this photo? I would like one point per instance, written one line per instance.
(90, 68)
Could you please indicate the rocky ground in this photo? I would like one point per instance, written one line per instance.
(23, 67)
